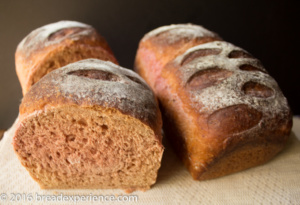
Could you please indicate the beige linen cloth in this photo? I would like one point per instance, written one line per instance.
(277, 182)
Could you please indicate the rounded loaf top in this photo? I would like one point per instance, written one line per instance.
(55, 34)
(92, 83)
(171, 34)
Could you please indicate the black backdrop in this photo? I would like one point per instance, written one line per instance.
(267, 29)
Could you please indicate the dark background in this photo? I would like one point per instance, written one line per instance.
(267, 29)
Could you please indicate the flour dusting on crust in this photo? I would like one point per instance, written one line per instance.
(179, 31)
(125, 94)
(40, 35)
(229, 91)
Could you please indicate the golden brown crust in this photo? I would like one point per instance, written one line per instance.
(222, 112)
(37, 54)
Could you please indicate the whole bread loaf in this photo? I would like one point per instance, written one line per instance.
(221, 109)
(55, 45)
(90, 124)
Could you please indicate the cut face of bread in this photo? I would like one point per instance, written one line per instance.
(90, 124)
(73, 147)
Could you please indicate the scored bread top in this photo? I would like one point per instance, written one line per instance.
(56, 33)
(91, 83)
(227, 81)
(222, 80)
(165, 43)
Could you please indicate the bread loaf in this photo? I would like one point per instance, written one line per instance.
(90, 124)
(222, 111)
(55, 45)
